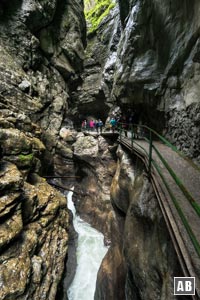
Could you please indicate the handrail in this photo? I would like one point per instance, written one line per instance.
(177, 180)
(164, 140)
(180, 212)
(179, 183)
(172, 173)
(122, 128)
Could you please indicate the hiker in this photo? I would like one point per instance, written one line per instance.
(92, 125)
(124, 125)
(113, 124)
(100, 125)
(84, 125)
(131, 120)
(97, 125)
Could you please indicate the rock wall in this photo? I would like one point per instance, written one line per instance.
(38, 66)
(95, 165)
(95, 158)
(141, 262)
(157, 68)
(41, 53)
(92, 96)
(147, 258)
(33, 216)
(148, 62)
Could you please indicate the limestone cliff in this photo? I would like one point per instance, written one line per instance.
(148, 62)
(41, 53)
(95, 161)
(147, 261)
(92, 97)
(157, 68)
(95, 164)
(33, 217)
(144, 56)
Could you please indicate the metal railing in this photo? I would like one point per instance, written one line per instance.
(132, 133)
(146, 133)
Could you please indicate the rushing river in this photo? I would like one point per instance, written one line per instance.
(90, 252)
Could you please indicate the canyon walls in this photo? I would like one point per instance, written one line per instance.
(95, 164)
(157, 68)
(141, 261)
(41, 56)
(42, 47)
(147, 247)
(33, 218)
(92, 96)
(144, 57)
(41, 53)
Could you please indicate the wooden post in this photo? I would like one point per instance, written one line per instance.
(132, 136)
(150, 152)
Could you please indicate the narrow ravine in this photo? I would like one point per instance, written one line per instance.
(90, 252)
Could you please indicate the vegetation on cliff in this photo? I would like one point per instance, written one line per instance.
(96, 11)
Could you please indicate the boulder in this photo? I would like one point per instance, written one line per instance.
(67, 135)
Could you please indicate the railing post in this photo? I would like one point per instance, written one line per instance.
(120, 132)
(150, 152)
(132, 136)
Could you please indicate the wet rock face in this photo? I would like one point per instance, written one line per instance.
(41, 53)
(33, 236)
(92, 97)
(95, 166)
(184, 132)
(157, 67)
(36, 58)
(33, 215)
(111, 276)
(148, 62)
(124, 10)
(148, 250)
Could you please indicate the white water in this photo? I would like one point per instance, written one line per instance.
(90, 252)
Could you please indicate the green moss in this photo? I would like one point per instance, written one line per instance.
(95, 15)
(27, 158)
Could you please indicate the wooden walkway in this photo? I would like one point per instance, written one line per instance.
(190, 176)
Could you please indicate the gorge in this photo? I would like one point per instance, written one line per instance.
(60, 65)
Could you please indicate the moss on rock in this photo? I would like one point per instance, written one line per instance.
(28, 157)
(24, 161)
(97, 13)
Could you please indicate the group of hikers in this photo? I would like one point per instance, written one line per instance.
(115, 123)
(124, 122)
(92, 125)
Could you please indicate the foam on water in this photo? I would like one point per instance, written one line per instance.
(90, 252)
